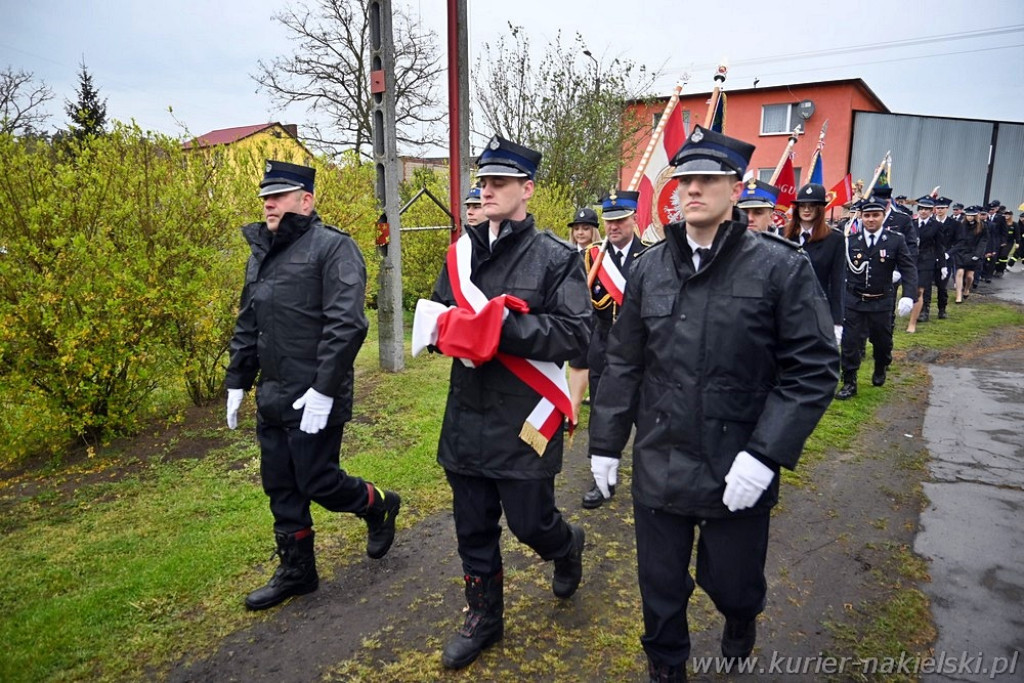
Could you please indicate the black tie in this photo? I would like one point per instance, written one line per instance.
(804, 236)
(617, 257)
(871, 241)
(703, 256)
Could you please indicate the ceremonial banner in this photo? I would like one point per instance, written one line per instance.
(817, 171)
(841, 193)
(786, 182)
(658, 204)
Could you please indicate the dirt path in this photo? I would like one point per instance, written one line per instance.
(835, 539)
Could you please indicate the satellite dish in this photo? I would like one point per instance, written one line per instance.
(805, 109)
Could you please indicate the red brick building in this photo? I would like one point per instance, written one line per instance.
(765, 116)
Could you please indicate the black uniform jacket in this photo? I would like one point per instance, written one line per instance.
(605, 308)
(869, 283)
(302, 318)
(740, 356)
(828, 257)
(969, 248)
(488, 405)
(947, 236)
(929, 247)
(897, 221)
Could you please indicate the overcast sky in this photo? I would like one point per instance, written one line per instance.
(956, 58)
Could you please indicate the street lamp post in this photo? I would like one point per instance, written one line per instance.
(597, 72)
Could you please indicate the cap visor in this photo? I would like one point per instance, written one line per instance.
(702, 167)
(616, 214)
(500, 170)
(754, 204)
(278, 188)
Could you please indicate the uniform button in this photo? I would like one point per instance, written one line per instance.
(679, 385)
(682, 317)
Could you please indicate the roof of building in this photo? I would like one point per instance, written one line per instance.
(854, 82)
(224, 136)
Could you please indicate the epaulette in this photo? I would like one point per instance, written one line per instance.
(780, 239)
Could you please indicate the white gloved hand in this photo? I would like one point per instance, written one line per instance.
(605, 471)
(944, 272)
(234, 401)
(945, 255)
(904, 306)
(317, 409)
(838, 329)
(747, 479)
(896, 276)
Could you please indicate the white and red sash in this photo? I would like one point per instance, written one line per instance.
(544, 377)
(609, 275)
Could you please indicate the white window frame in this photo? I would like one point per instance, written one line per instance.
(790, 118)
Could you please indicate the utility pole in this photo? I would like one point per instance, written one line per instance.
(458, 110)
(385, 159)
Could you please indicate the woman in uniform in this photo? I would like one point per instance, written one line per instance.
(969, 250)
(825, 247)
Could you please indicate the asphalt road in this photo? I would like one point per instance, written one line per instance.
(973, 529)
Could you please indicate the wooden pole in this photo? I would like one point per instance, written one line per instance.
(716, 94)
(645, 159)
(785, 153)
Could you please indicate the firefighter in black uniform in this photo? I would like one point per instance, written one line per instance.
(928, 254)
(874, 254)
(724, 356)
(618, 210)
(944, 255)
(496, 459)
(300, 326)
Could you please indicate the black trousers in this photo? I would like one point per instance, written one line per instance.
(873, 326)
(529, 506)
(596, 352)
(297, 468)
(941, 283)
(731, 553)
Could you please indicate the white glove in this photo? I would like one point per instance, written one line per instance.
(945, 255)
(904, 306)
(896, 276)
(944, 272)
(838, 329)
(605, 471)
(747, 479)
(234, 401)
(317, 409)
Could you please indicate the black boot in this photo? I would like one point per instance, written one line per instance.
(296, 575)
(380, 521)
(923, 318)
(593, 498)
(663, 673)
(484, 625)
(569, 569)
(878, 376)
(738, 637)
(942, 314)
(849, 388)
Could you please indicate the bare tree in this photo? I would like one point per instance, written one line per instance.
(329, 71)
(571, 107)
(21, 102)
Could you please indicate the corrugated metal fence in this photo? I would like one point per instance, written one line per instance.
(972, 161)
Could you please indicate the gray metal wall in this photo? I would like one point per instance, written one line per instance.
(1008, 167)
(950, 153)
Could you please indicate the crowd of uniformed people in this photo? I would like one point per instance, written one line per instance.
(716, 349)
